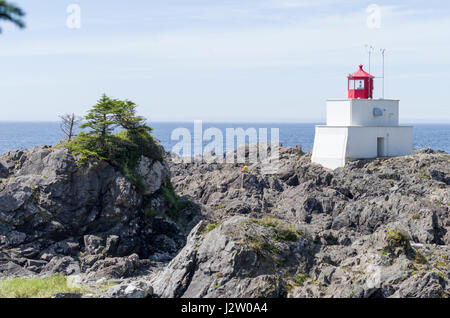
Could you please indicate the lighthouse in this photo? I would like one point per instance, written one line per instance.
(360, 127)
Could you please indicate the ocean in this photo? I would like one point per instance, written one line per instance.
(20, 135)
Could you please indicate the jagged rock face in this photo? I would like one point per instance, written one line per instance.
(375, 228)
(357, 199)
(154, 174)
(240, 258)
(59, 216)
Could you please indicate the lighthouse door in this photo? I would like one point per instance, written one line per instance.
(381, 147)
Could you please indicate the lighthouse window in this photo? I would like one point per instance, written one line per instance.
(359, 84)
(351, 84)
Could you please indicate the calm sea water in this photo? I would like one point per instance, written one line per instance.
(25, 135)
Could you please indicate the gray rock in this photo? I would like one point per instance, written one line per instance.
(239, 258)
(117, 267)
(49, 204)
(10, 269)
(154, 174)
(93, 244)
(428, 286)
(370, 227)
(65, 265)
(375, 228)
(135, 289)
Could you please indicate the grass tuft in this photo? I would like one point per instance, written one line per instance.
(210, 227)
(35, 287)
(398, 239)
(281, 231)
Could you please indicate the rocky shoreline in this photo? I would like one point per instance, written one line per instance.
(375, 228)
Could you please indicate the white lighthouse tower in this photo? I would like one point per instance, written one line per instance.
(360, 127)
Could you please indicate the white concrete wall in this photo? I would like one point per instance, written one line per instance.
(362, 112)
(333, 146)
(401, 141)
(339, 113)
(330, 145)
(362, 141)
(359, 112)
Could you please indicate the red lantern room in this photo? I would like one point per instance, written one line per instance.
(360, 85)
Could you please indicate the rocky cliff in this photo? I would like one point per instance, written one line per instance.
(60, 216)
(376, 228)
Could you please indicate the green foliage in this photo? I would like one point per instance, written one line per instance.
(267, 222)
(173, 201)
(285, 234)
(109, 114)
(261, 245)
(170, 195)
(173, 205)
(397, 239)
(85, 147)
(266, 244)
(35, 287)
(331, 240)
(281, 230)
(416, 216)
(101, 119)
(12, 13)
(125, 115)
(301, 278)
(123, 149)
(420, 258)
(210, 227)
(220, 207)
(184, 203)
(151, 213)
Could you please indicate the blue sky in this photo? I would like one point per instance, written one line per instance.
(230, 60)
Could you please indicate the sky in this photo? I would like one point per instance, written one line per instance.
(223, 60)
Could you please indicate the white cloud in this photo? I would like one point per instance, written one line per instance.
(305, 47)
(321, 41)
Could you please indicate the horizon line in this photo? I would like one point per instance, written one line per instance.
(226, 122)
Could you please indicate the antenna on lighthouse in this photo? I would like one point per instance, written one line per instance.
(382, 54)
(369, 49)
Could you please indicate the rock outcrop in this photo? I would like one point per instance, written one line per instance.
(376, 228)
(242, 257)
(60, 216)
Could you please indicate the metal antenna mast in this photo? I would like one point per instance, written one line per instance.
(382, 53)
(369, 49)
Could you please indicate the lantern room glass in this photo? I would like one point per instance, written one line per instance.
(351, 84)
(359, 84)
